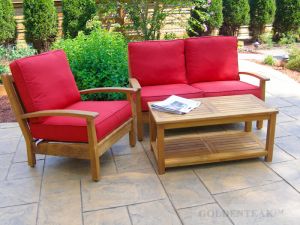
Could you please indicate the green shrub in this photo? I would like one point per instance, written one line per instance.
(287, 39)
(76, 14)
(262, 12)
(97, 60)
(7, 22)
(266, 38)
(41, 23)
(170, 36)
(236, 14)
(294, 60)
(269, 60)
(12, 53)
(287, 18)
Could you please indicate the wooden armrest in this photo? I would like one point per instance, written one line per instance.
(108, 89)
(69, 113)
(258, 76)
(135, 83)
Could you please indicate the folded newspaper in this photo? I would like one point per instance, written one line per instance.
(175, 104)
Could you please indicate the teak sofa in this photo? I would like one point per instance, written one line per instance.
(190, 68)
(54, 120)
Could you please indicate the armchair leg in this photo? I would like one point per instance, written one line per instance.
(95, 167)
(140, 132)
(132, 137)
(30, 154)
(259, 124)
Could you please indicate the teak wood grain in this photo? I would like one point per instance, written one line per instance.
(91, 150)
(213, 146)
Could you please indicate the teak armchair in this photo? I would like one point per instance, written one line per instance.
(77, 129)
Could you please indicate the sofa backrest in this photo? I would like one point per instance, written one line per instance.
(211, 59)
(45, 81)
(157, 62)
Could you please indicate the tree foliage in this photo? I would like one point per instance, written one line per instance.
(236, 14)
(206, 15)
(7, 22)
(76, 14)
(41, 23)
(262, 12)
(287, 18)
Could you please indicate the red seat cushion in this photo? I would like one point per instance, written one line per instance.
(161, 92)
(211, 59)
(45, 81)
(157, 62)
(223, 88)
(112, 114)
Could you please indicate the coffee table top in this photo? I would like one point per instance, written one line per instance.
(217, 108)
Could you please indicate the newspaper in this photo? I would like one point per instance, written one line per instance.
(176, 105)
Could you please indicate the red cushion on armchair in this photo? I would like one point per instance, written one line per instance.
(112, 114)
(211, 59)
(45, 81)
(157, 62)
(161, 92)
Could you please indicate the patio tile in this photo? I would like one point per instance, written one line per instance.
(290, 145)
(107, 167)
(279, 156)
(115, 216)
(8, 125)
(204, 215)
(290, 171)
(17, 192)
(8, 145)
(277, 102)
(158, 212)
(19, 215)
(11, 132)
(185, 189)
(133, 163)
(61, 168)
(22, 170)
(121, 189)
(276, 203)
(235, 175)
(21, 153)
(122, 147)
(60, 203)
(5, 161)
(282, 117)
(290, 128)
(262, 133)
(292, 111)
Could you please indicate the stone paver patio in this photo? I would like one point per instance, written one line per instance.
(60, 191)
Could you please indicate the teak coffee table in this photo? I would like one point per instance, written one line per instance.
(212, 146)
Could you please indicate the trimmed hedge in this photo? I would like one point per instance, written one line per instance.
(98, 59)
(236, 14)
(7, 22)
(76, 14)
(262, 12)
(41, 23)
(287, 18)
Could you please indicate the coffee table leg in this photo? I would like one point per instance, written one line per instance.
(270, 137)
(153, 133)
(161, 150)
(248, 126)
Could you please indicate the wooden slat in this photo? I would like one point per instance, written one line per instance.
(211, 147)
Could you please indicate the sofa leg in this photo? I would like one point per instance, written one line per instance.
(30, 154)
(259, 124)
(132, 137)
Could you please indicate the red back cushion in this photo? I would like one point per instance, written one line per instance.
(157, 62)
(211, 59)
(45, 81)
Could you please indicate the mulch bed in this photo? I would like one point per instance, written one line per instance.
(6, 114)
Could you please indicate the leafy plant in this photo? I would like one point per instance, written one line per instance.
(206, 15)
(98, 59)
(236, 14)
(266, 38)
(287, 39)
(287, 18)
(170, 36)
(41, 23)
(262, 12)
(269, 60)
(294, 60)
(76, 14)
(7, 22)
(13, 52)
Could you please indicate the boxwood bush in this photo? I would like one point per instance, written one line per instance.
(7, 22)
(98, 59)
